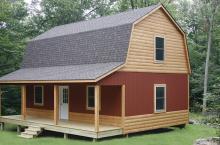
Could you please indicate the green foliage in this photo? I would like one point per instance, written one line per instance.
(12, 34)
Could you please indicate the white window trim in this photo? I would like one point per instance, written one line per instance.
(87, 100)
(165, 98)
(39, 104)
(164, 54)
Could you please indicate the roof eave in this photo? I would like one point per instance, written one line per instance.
(7, 82)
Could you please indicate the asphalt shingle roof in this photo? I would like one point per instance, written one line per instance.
(79, 51)
(75, 72)
(123, 18)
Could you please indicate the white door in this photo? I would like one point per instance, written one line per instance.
(64, 102)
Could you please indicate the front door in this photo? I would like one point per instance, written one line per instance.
(64, 102)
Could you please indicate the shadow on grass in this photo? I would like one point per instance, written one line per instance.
(53, 134)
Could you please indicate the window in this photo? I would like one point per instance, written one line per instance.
(159, 49)
(38, 95)
(90, 97)
(160, 97)
(65, 96)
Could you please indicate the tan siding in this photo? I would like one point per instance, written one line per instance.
(154, 121)
(41, 113)
(89, 118)
(141, 51)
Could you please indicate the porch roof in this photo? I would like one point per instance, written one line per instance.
(71, 73)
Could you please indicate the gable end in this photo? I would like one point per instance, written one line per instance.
(141, 51)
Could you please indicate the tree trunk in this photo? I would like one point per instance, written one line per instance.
(204, 105)
(132, 4)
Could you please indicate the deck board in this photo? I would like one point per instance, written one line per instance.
(70, 127)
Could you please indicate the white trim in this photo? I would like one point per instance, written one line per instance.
(164, 45)
(39, 104)
(165, 98)
(66, 87)
(87, 97)
(87, 103)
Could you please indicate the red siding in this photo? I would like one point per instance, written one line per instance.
(110, 99)
(48, 97)
(140, 90)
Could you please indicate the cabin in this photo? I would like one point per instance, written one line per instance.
(108, 76)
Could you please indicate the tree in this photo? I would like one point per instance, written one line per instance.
(13, 36)
(210, 7)
(56, 12)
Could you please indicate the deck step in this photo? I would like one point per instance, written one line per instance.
(26, 136)
(31, 132)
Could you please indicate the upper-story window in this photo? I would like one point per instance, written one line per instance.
(159, 49)
(38, 95)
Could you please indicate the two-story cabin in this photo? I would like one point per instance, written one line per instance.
(108, 76)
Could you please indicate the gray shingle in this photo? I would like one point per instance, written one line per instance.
(74, 72)
(79, 51)
(127, 17)
(100, 46)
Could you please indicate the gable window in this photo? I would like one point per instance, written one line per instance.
(38, 95)
(90, 98)
(159, 49)
(160, 97)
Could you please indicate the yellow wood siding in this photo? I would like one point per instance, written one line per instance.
(41, 113)
(154, 121)
(89, 118)
(140, 56)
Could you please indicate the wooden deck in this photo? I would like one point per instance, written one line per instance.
(63, 126)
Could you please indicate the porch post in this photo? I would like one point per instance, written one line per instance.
(97, 95)
(0, 101)
(122, 105)
(23, 101)
(56, 104)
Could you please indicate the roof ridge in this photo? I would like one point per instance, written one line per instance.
(118, 13)
(113, 20)
(79, 32)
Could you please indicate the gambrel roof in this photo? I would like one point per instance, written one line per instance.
(82, 51)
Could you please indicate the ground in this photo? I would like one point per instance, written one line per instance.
(171, 136)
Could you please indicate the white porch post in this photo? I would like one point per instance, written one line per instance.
(23, 101)
(97, 102)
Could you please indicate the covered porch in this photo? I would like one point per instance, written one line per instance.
(94, 123)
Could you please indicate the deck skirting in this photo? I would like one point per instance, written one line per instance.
(105, 131)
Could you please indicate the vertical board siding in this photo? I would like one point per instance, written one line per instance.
(141, 51)
(139, 90)
(48, 97)
(110, 99)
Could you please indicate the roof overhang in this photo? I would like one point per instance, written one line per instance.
(70, 74)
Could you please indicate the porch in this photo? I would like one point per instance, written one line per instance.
(96, 123)
(64, 126)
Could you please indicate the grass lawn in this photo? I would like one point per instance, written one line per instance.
(171, 136)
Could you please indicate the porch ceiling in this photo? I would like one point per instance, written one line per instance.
(73, 73)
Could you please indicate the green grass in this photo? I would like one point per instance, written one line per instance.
(171, 136)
